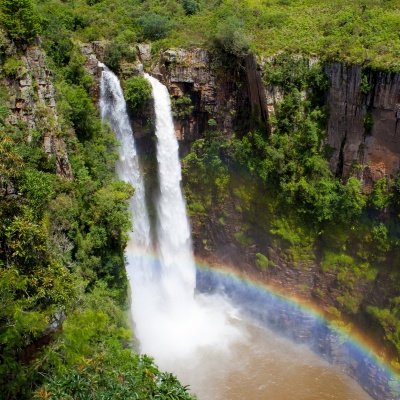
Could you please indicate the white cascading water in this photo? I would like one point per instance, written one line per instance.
(177, 323)
(113, 109)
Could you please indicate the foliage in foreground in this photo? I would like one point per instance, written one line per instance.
(117, 373)
(92, 357)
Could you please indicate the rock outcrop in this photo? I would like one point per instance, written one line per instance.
(32, 101)
(218, 94)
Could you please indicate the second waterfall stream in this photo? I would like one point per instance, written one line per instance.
(171, 322)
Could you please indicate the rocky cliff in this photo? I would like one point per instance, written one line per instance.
(363, 128)
(32, 102)
(363, 107)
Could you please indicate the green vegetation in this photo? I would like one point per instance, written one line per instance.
(12, 67)
(263, 262)
(62, 240)
(154, 26)
(181, 106)
(117, 50)
(137, 92)
(64, 329)
(230, 37)
(20, 19)
(363, 33)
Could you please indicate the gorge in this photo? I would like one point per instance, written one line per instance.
(180, 328)
(238, 212)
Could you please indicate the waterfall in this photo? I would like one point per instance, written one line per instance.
(188, 333)
(139, 267)
(173, 230)
(173, 324)
(113, 109)
(183, 323)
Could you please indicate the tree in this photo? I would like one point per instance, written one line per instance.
(154, 26)
(20, 19)
(137, 91)
(231, 37)
(190, 6)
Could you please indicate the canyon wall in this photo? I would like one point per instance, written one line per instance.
(363, 107)
(363, 127)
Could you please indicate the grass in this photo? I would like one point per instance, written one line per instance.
(364, 33)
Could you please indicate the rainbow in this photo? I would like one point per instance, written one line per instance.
(302, 315)
(303, 322)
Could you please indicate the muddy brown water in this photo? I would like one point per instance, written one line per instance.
(266, 366)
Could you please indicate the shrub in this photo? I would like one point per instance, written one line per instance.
(243, 239)
(114, 52)
(368, 123)
(138, 92)
(231, 37)
(182, 106)
(13, 67)
(262, 261)
(190, 6)
(364, 85)
(154, 26)
(20, 19)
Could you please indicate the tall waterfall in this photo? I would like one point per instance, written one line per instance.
(139, 267)
(173, 230)
(182, 322)
(113, 109)
(173, 324)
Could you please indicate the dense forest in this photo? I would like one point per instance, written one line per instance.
(64, 326)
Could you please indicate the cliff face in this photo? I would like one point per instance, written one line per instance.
(207, 92)
(364, 108)
(32, 101)
(363, 127)
(216, 92)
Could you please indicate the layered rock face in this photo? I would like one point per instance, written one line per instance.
(363, 128)
(32, 101)
(216, 94)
